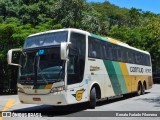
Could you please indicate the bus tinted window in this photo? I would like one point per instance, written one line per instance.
(119, 50)
(95, 48)
(104, 50)
(109, 51)
(76, 58)
(46, 39)
(114, 52)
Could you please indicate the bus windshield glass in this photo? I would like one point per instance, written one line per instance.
(41, 67)
(47, 39)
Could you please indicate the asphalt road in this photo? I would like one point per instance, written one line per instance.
(148, 102)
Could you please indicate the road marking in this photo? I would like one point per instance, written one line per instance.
(8, 105)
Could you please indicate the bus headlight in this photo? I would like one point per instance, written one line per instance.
(20, 90)
(57, 89)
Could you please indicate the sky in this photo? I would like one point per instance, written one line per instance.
(145, 5)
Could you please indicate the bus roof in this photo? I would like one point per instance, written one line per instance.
(107, 39)
(126, 45)
(58, 30)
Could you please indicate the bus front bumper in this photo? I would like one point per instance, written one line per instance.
(57, 98)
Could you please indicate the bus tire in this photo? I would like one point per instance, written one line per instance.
(139, 89)
(92, 102)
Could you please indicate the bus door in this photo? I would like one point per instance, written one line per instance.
(75, 67)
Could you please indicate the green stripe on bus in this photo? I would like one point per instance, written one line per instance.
(41, 86)
(120, 77)
(113, 77)
(36, 87)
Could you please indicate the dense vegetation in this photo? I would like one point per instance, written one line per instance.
(19, 18)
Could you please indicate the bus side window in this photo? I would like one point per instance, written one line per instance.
(119, 54)
(104, 51)
(90, 47)
(71, 65)
(141, 59)
(130, 56)
(94, 54)
(114, 52)
(109, 51)
(134, 58)
(138, 58)
(100, 49)
(144, 60)
(125, 55)
(76, 63)
(148, 60)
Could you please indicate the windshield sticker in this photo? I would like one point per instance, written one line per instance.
(41, 52)
(79, 94)
(37, 54)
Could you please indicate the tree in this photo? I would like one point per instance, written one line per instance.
(69, 12)
(135, 17)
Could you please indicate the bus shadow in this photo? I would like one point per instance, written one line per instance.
(125, 97)
(53, 111)
(155, 100)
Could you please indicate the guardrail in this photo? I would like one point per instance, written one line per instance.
(8, 91)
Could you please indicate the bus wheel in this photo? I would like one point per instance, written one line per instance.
(139, 89)
(92, 102)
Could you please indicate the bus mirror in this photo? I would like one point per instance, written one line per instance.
(13, 56)
(64, 49)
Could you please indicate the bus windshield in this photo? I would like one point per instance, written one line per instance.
(48, 39)
(41, 66)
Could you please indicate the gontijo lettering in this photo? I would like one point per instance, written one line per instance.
(136, 69)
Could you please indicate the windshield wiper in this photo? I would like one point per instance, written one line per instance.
(60, 72)
(35, 69)
(43, 77)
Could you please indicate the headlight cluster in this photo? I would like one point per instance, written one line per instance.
(20, 90)
(57, 89)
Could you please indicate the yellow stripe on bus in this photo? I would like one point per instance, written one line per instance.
(48, 86)
(113, 41)
(126, 76)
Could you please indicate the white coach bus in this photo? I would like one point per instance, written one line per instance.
(69, 66)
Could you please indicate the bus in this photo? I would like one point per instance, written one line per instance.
(70, 66)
